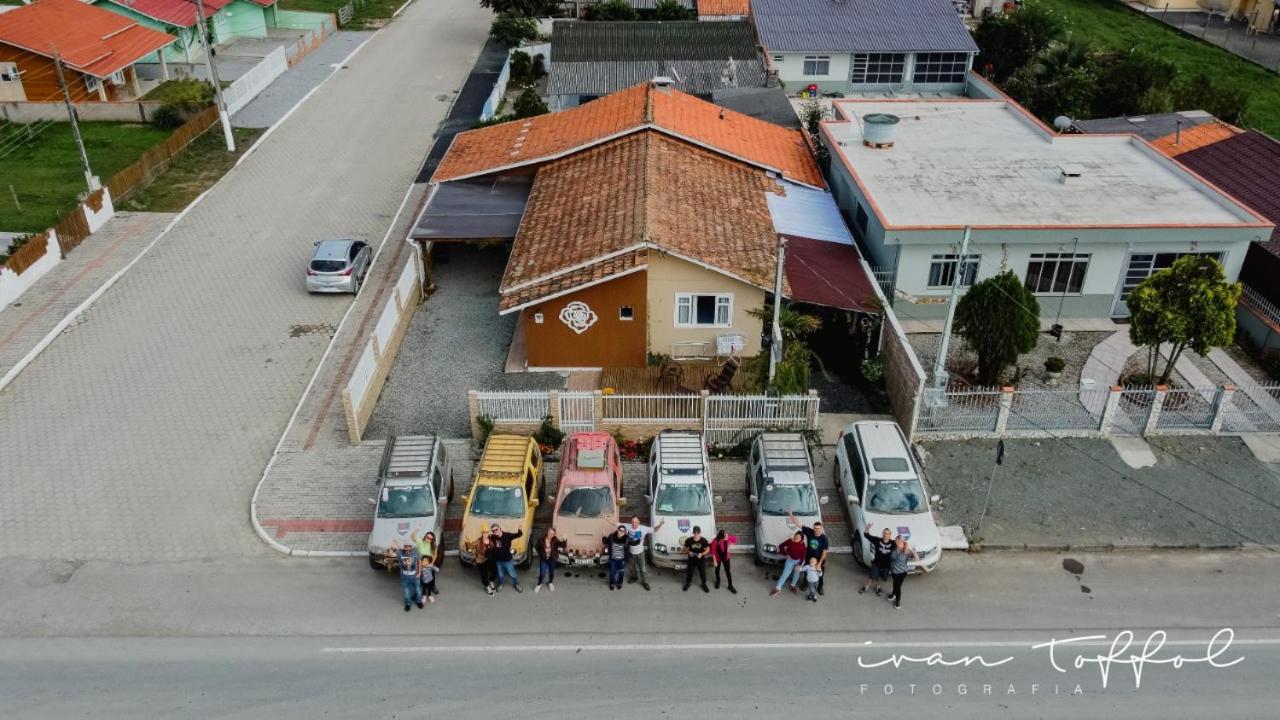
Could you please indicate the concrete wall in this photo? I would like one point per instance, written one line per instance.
(26, 112)
(668, 276)
(13, 285)
(360, 396)
(245, 19)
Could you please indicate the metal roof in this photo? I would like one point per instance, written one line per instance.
(762, 103)
(408, 456)
(1148, 127)
(807, 213)
(860, 26)
(476, 209)
(574, 41)
(696, 77)
(785, 452)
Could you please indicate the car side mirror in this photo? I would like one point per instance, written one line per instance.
(442, 499)
(648, 498)
(622, 501)
(719, 498)
(753, 499)
(853, 499)
(372, 501)
(823, 500)
(535, 503)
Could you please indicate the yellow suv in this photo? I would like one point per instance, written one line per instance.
(507, 488)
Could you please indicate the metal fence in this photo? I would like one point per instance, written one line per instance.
(1064, 409)
(975, 410)
(1260, 306)
(652, 408)
(1252, 408)
(729, 418)
(1132, 411)
(530, 406)
(1191, 409)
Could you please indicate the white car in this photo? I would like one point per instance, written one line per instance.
(779, 482)
(414, 486)
(679, 494)
(882, 485)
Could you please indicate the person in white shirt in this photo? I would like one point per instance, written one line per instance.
(636, 534)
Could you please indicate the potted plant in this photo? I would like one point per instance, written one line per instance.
(1053, 368)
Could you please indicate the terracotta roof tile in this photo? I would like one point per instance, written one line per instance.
(547, 137)
(595, 272)
(92, 40)
(180, 13)
(1195, 137)
(716, 8)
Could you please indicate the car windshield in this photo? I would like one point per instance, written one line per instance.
(683, 500)
(780, 499)
(493, 501)
(895, 497)
(405, 501)
(328, 265)
(586, 502)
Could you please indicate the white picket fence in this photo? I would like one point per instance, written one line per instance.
(260, 76)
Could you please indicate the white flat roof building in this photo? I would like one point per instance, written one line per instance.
(987, 163)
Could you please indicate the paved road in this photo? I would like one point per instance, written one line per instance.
(145, 429)
(247, 638)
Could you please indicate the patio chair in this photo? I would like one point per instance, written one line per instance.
(722, 380)
(671, 378)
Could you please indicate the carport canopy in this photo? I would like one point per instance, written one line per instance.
(474, 209)
(829, 274)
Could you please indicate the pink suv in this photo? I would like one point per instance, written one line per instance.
(588, 495)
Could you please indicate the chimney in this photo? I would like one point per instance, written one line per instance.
(1070, 173)
(1177, 133)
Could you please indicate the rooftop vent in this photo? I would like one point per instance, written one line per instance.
(1069, 173)
(663, 81)
(878, 130)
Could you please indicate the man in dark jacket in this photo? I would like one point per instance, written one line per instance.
(881, 548)
(697, 547)
(501, 553)
(616, 545)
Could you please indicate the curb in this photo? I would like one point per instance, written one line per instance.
(1113, 548)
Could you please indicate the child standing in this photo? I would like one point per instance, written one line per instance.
(812, 575)
(428, 571)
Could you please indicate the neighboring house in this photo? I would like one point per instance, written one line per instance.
(592, 59)
(723, 9)
(1261, 15)
(1081, 219)
(867, 46)
(226, 20)
(98, 49)
(768, 103)
(1248, 167)
(646, 222)
(1171, 133)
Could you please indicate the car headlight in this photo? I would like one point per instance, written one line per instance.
(927, 552)
(770, 548)
(659, 547)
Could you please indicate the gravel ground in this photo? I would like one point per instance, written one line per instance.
(1074, 348)
(456, 342)
(1138, 361)
(1249, 364)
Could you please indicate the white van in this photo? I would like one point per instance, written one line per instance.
(679, 494)
(883, 485)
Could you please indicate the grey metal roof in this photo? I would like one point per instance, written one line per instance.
(575, 41)
(1149, 127)
(860, 26)
(474, 209)
(696, 77)
(763, 103)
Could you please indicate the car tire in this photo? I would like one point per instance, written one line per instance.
(755, 558)
(374, 564)
(355, 286)
(527, 562)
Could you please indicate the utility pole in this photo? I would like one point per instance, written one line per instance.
(89, 179)
(217, 84)
(775, 347)
(940, 365)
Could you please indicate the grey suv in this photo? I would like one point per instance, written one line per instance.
(339, 266)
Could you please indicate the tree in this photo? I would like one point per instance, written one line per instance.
(1201, 93)
(673, 10)
(1008, 42)
(520, 8)
(793, 324)
(511, 30)
(528, 104)
(611, 10)
(1189, 305)
(1058, 81)
(1131, 83)
(1000, 319)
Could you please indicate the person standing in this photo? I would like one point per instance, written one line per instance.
(899, 567)
(818, 545)
(813, 578)
(720, 548)
(616, 546)
(697, 549)
(636, 534)
(549, 548)
(429, 551)
(409, 576)
(795, 549)
(881, 547)
(427, 573)
(484, 561)
(501, 555)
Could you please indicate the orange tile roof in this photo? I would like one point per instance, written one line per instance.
(92, 40)
(593, 211)
(1195, 137)
(712, 8)
(547, 137)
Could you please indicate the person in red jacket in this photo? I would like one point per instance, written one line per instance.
(720, 548)
(795, 549)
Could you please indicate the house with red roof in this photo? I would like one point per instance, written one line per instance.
(98, 49)
(226, 21)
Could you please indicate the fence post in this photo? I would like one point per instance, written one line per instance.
(473, 413)
(706, 401)
(1109, 410)
(813, 409)
(1006, 404)
(1225, 393)
(597, 408)
(1157, 404)
(553, 406)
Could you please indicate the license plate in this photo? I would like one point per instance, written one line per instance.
(583, 561)
(680, 566)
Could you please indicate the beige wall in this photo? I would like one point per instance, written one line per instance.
(668, 276)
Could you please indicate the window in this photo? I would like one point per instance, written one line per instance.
(117, 77)
(777, 59)
(92, 83)
(587, 502)
(1056, 272)
(942, 270)
(817, 65)
(9, 72)
(940, 67)
(693, 310)
(1142, 265)
(860, 222)
(877, 68)
(626, 312)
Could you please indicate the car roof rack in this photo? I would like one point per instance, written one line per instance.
(407, 456)
(682, 453)
(785, 452)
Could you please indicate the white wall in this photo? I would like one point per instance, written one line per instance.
(12, 285)
(791, 69)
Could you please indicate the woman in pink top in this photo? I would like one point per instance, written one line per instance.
(720, 557)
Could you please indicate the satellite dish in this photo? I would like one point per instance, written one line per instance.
(1062, 122)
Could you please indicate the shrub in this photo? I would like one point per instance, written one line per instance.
(167, 117)
(511, 31)
(521, 68)
(611, 10)
(548, 436)
(873, 370)
(528, 104)
(1054, 364)
(1000, 319)
(673, 10)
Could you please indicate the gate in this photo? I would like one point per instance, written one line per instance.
(577, 412)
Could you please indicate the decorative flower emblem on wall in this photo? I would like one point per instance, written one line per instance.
(578, 316)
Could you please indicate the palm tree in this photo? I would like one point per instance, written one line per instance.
(794, 324)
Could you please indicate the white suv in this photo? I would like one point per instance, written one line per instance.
(679, 494)
(883, 485)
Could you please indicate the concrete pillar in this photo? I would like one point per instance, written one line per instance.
(597, 408)
(1006, 405)
(706, 395)
(133, 81)
(1157, 404)
(816, 405)
(164, 66)
(473, 412)
(1109, 411)
(1225, 393)
(102, 90)
(553, 407)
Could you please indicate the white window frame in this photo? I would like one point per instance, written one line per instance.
(1057, 259)
(816, 60)
(877, 68)
(117, 77)
(946, 276)
(9, 72)
(92, 83)
(622, 316)
(723, 309)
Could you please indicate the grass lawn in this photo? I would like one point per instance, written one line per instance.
(1110, 24)
(196, 170)
(47, 177)
(368, 13)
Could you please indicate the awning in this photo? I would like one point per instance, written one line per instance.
(474, 210)
(829, 274)
(805, 212)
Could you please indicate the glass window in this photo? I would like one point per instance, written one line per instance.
(877, 68)
(1142, 265)
(586, 502)
(940, 67)
(817, 65)
(626, 312)
(704, 310)
(1056, 272)
(780, 499)
(498, 501)
(890, 464)
(683, 500)
(405, 501)
(895, 497)
(328, 265)
(942, 270)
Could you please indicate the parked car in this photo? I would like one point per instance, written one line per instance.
(415, 484)
(780, 481)
(883, 485)
(507, 488)
(679, 494)
(589, 493)
(338, 266)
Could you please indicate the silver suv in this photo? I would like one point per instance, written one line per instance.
(339, 266)
(415, 484)
(780, 483)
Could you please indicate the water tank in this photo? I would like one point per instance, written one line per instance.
(878, 129)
